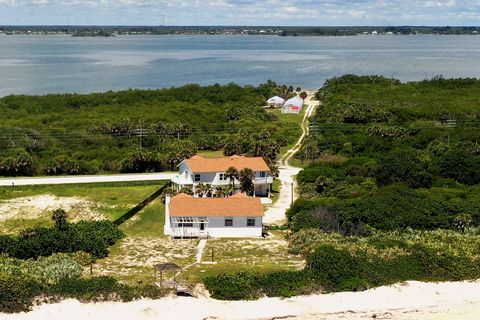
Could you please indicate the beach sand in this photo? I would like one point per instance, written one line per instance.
(411, 300)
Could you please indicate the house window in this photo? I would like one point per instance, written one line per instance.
(185, 225)
(263, 174)
(222, 177)
(197, 178)
(251, 222)
(228, 222)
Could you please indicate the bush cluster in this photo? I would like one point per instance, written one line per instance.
(19, 293)
(250, 286)
(338, 263)
(94, 238)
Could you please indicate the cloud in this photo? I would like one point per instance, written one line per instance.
(241, 12)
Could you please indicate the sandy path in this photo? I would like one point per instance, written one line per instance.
(413, 300)
(276, 213)
(86, 179)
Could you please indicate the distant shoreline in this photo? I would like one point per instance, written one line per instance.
(283, 31)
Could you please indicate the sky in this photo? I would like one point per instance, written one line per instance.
(240, 12)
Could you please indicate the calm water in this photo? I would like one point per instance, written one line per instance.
(55, 64)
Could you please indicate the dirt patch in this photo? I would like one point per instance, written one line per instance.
(36, 207)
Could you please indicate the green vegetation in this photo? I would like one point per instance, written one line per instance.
(30, 206)
(389, 192)
(412, 144)
(47, 265)
(92, 237)
(137, 130)
(241, 255)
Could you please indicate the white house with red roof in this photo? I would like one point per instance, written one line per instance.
(237, 216)
(198, 170)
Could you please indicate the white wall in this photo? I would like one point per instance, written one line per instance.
(216, 228)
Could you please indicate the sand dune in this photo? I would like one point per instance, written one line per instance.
(412, 300)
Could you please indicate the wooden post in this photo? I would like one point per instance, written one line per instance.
(292, 192)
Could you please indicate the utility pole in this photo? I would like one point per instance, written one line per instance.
(293, 190)
(141, 132)
(450, 124)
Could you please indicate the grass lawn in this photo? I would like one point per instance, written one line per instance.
(132, 259)
(30, 206)
(276, 186)
(292, 126)
(211, 154)
(234, 255)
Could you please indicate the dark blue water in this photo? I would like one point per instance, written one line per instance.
(57, 64)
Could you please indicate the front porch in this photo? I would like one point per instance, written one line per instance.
(189, 227)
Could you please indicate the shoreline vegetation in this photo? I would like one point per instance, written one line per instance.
(284, 31)
(373, 142)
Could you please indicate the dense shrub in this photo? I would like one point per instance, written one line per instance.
(388, 208)
(94, 238)
(403, 166)
(249, 286)
(19, 163)
(61, 165)
(45, 270)
(460, 165)
(17, 293)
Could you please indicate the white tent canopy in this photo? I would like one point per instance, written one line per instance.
(295, 101)
(293, 105)
(276, 101)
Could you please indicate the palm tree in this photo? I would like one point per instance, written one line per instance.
(232, 174)
(246, 177)
(222, 192)
(202, 189)
(59, 217)
(462, 221)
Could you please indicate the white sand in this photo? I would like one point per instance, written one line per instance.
(413, 300)
(34, 207)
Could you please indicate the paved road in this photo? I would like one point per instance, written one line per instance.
(86, 179)
(276, 213)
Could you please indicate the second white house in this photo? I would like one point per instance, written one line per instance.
(198, 170)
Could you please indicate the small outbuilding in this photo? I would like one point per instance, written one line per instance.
(293, 105)
(275, 102)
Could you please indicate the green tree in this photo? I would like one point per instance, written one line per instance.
(462, 221)
(246, 177)
(322, 183)
(232, 174)
(59, 217)
(202, 190)
(222, 192)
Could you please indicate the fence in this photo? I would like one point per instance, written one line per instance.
(141, 205)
